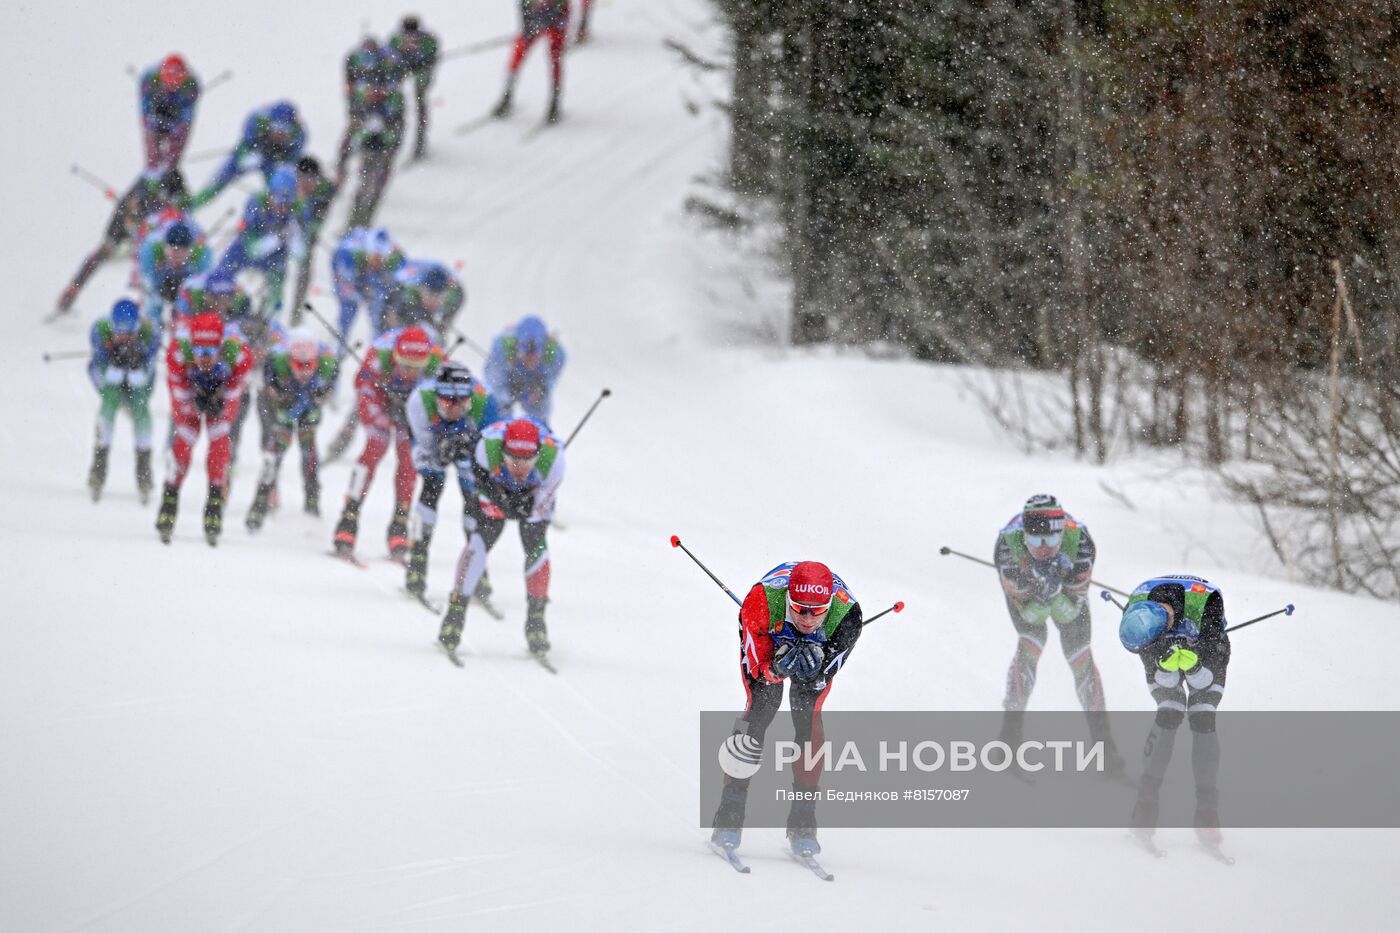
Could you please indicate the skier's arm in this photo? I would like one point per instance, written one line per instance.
(757, 642)
(1014, 579)
(1076, 580)
(497, 376)
(544, 495)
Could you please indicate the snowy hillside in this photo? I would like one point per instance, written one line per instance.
(255, 737)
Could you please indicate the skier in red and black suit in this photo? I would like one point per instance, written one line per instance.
(798, 623)
(550, 19)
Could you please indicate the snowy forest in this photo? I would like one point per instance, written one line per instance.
(1180, 221)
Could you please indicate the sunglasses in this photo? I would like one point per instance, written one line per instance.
(1043, 540)
(801, 610)
(206, 352)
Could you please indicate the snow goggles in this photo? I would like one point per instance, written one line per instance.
(204, 352)
(1047, 540)
(801, 610)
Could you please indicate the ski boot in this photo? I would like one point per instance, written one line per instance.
(416, 582)
(535, 635)
(450, 634)
(553, 115)
(144, 481)
(258, 512)
(97, 476)
(214, 514)
(165, 518)
(802, 827)
(347, 528)
(398, 533)
(502, 109)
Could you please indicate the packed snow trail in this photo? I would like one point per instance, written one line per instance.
(254, 737)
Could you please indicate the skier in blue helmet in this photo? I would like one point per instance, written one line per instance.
(123, 371)
(1176, 625)
(268, 237)
(522, 368)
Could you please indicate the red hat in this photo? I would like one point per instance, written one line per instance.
(173, 72)
(811, 584)
(413, 347)
(206, 330)
(522, 439)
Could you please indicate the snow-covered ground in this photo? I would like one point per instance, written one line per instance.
(256, 737)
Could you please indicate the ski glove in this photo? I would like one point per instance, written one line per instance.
(798, 659)
(454, 447)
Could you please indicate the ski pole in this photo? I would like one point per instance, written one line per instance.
(463, 338)
(1286, 610)
(333, 332)
(204, 155)
(484, 45)
(897, 607)
(676, 542)
(221, 78)
(93, 180)
(945, 551)
(584, 420)
(65, 355)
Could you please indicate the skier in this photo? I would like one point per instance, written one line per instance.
(123, 370)
(297, 377)
(315, 192)
(518, 468)
(378, 122)
(268, 237)
(212, 291)
(426, 291)
(272, 136)
(548, 18)
(1045, 559)
(395, 365)
(415, 55)
(169, 255)
(522, 368)
(1176, 626)
(362, 268)
(799, 623)
(169, 92)
(151, 194)
(446, 417)
(582, 35)
(206, 372)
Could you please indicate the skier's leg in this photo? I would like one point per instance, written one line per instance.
(763, 700)
(482, 534)
(1207, 686)
(106, 423)
(1074, 641)
(1020, 676)
(536, 548)
(347, 529)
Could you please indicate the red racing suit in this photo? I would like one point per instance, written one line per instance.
(383, 390)
(207, 397)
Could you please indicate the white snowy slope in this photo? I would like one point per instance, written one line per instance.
(254, 737)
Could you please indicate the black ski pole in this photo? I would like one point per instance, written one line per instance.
(221, 78)
(333, 332)
(485, 45)
(1286, 611)
(584, 420)
(93, 180)
(463, 338)
(945, 551)
(66, 355)
(676, 542)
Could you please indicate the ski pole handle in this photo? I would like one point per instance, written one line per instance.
(1109, 599)
(57, 355)
(584, 420)
(897, 607)
(676, 542)
(1285, 611)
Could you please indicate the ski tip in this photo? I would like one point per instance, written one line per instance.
(675, 541)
